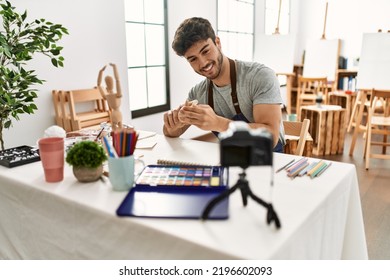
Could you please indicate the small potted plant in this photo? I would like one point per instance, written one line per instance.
(87, 159)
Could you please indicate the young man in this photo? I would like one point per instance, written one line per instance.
(232, 90)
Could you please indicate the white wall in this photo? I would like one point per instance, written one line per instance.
(97, 37)
(347, 20)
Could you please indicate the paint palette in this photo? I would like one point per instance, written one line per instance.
(201, 177)
(19, 156)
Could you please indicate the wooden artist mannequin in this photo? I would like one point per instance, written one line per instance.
(113, 99)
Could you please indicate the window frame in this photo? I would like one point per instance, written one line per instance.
(163, 107)
(239, 32)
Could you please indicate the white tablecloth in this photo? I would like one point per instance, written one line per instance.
(321, 218)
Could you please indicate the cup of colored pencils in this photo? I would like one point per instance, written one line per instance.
(121, 158)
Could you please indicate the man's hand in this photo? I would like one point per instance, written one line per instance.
(202, 116)
(173, 127)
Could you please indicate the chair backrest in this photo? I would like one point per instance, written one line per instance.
(312, 85)
(88, 95)
(384, 97)
(308, 90)
(60, 102)
(299, 129)
(77, 109)
(98, 114)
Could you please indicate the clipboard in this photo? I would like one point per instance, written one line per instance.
(166, 191)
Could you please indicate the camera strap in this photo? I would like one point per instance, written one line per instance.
(233, 81)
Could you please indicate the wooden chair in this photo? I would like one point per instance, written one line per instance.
(60, 104)
(98, 112)
(296, 131)
(57, 107)
(77, 109)
(378, 124)
(309, 88)
(357, 106)
(359, 115)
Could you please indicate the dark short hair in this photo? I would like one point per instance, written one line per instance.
(191, 31)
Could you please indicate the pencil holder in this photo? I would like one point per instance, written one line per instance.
(121, 172)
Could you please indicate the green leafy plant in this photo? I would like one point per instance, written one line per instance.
(19, 42)
(86, 154)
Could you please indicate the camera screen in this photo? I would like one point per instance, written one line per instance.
(236, 156)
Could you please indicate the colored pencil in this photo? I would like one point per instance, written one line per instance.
(284, 166)
(314, 169)
(308, 167)
(322, 166)
(323, 170)
(299, 169)
(296, 164)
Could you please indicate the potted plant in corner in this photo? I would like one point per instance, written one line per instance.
(19, 42)
(87, 159)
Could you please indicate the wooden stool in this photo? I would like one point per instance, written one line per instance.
(327, 128)
(343, 99)
(292, 145)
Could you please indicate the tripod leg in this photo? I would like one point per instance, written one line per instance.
(271, 214)
(244, 192)
(216, 200)
(257, 199)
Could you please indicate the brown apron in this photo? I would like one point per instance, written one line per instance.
(239, 116)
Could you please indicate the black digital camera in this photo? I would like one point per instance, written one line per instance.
(242, 146)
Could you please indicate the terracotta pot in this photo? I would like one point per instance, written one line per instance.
(86, 174)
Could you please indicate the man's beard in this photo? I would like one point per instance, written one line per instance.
(217, 66)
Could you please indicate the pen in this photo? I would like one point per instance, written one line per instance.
(323, 170)
(284, 166)
(100, 133)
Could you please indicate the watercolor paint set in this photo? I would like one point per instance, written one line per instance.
(199, 177)
(164, 191)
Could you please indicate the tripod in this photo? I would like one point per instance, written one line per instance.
(243, 185)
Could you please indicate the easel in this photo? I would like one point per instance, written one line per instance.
(321, 58)
(326, 15)
(277, 52)
(373, 74)
(277, 23)
(290, 75)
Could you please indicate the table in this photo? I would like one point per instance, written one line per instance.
(321, 218)
(327, 127)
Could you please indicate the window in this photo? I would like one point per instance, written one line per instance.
(235, 27)
(272, 14)
(147, 59)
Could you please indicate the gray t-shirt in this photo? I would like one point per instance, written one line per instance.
(256, 84)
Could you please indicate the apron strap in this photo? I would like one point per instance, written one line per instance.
(233, 80)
